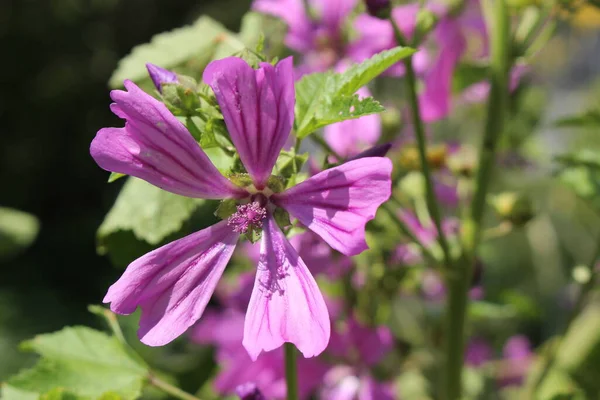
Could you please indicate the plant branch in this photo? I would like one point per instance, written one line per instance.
(458, 282)
(432, 203)
(170, 389)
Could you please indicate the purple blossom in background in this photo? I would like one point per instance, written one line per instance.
(478, 352)
(361, 347)
(160, 75)
(173, 284)
(518, 356)
(318, 39)
(376, 35)
(224, 330)
(249, 391)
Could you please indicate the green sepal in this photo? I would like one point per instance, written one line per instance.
(226, 209)
(282, 218)
(289, 165)
(241, 179)
(253, 234)
(251, 57)
(513, 207)
(189, 100)
(193, 129)
(276, 183)
(426, 22)
(114, 176)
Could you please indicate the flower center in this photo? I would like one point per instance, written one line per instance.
(249, 215)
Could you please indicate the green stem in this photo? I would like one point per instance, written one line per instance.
(432, 203)
(291, 371)
(458, 281)
(321, 142)
(170, 389)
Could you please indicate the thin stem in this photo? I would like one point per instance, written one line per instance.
(458, 281)
(432, 203)
(291, 371)
(321, 142)
(408, 232)
(170, 389)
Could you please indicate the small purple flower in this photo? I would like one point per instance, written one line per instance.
(318, 38)
(478, 352)
(517, 358)
(173, 284)
(361, 347)
(224, 330)
(160, 75)
(376, 35)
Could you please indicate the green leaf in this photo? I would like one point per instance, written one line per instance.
(149, 212)
(588, 119)
(581, 171)
(77, 363)
(18, 230)
(204, 38)
(359, 75)
(145, 216)
(326, 98)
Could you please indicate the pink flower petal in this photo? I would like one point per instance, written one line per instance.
(435, 101)
(337, 203)
(258, 107)
(173, 283)
(286, 303)
(156, 147)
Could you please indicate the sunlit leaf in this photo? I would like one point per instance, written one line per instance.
(76, 363)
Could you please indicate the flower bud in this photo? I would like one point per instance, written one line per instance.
(513, 207)
(378, 8)
(376, 151)
(426, 21)
(160, 75)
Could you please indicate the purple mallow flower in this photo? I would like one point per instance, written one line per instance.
(173, 284)
(160, 75)
(318, 37)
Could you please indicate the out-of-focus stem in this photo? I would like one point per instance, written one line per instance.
(291, 371)
(432, 203)
(458, 281)
(325, 146)
(170, 389)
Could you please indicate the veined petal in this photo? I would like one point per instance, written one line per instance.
(337, 203)
(156, 147)
(286, 304)
(435, 101)
(173, 283)
(258, 107)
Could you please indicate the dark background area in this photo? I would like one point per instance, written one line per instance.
(57, 58)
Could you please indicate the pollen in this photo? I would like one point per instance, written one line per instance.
(247, 216)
